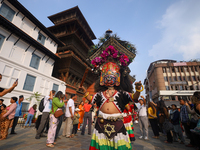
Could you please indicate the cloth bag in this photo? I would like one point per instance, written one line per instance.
(167, 126)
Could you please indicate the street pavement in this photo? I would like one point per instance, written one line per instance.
(25, 140)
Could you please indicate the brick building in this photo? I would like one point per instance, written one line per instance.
(172, 80)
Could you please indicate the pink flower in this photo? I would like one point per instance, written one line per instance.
(97, 59)
(93, 62)
(115, 55)
(104, 54)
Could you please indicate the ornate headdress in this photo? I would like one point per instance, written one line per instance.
(108, 63)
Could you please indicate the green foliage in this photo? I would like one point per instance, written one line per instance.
(35, 95)
(102, 40)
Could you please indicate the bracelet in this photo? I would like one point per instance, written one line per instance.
(132, 95)
(90, 97)
(140, 90)
(86, 94)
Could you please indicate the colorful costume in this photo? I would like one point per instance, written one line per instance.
(109, 132)
(4, 125)
(128, 123)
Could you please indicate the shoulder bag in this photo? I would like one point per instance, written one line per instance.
(58, 112)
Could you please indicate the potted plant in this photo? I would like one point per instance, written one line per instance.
(34, 119)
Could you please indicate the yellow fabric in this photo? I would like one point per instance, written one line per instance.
(150, 111)
(111, 143)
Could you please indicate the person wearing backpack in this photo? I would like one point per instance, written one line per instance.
(45, 112)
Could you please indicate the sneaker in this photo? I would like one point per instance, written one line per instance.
(146, 138)
(140, 137)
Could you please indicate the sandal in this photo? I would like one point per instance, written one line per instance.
(54, 143)
(168, 142)
(68, 136)
(50, 145)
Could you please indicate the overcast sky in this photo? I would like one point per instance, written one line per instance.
(160, 29)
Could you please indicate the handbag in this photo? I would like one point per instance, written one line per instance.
(167, 126)
(58, 112)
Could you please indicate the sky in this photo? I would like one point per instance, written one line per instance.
(159, 29)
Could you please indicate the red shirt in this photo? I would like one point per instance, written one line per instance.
(87, 107)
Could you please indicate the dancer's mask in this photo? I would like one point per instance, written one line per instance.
(110, 75)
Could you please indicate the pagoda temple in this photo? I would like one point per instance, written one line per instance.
(72, 29)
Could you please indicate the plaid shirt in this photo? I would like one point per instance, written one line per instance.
(184, 114)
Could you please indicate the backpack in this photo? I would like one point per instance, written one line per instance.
(41, 106)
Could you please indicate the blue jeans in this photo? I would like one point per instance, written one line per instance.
(29, 119)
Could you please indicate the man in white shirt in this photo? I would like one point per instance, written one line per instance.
(69, 114)
(45, 113)
(143, 120)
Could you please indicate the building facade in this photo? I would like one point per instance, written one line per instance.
(27, 53)
(72, 29)
(171, 79)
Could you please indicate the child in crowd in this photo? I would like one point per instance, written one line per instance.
(75, 122)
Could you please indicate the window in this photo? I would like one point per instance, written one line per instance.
(1, 40)
(173, 98)
(25, 107)
(186, 88)
(188, 78)
(179, 78)
(191, 68)
(167, 88)
(173, 69)
(35, 61)
(181, 87)
(41, 38)
(165, 78)
(172, 88)
(7, 12)
(191, 87)
(174, 78)
(168, 70)
(193, 78)
(181, 69)
(176, 87)
(183, 78)
(164, 70)
(29, 83)
(55, 87)
(196, 87)
(170, 79)
(196, 69)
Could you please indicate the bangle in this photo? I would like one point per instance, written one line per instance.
(132, 95)
(126, 105)
(86, 94)
(91, 97)
(141, 89)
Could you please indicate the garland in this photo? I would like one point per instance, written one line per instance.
(102, 40)
(110, 51)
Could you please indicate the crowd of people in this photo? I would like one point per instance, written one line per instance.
(174, 122)
(116, 112)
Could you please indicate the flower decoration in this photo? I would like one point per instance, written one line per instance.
(110, 51)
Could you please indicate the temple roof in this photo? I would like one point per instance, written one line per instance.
(67, 15)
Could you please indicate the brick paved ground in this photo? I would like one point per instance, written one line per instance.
(25, 140)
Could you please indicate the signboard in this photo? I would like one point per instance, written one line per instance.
(178, 82)
(180, 64)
